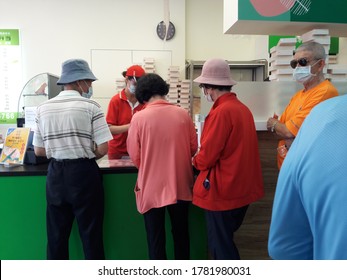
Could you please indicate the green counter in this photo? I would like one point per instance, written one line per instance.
(23, 220)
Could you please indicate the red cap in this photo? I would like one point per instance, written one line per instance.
(135, 70)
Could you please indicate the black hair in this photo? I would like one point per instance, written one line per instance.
(150, 85)
(221, 88)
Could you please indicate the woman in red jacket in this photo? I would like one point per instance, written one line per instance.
(230, 175)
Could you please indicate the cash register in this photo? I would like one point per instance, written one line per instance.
(30, 157)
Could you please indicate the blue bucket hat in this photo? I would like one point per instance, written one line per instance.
(75, 70)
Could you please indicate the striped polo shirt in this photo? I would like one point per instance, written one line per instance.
(68, 125)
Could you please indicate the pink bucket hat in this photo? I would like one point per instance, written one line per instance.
(215, 72)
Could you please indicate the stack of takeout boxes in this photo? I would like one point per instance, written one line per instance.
(184, 94)
(320, 36)
(280, 57)
(179, 90)
(149, 65)
(337, 72)
(173, 81)
(282, 54)
(333, 71)
(120, 84)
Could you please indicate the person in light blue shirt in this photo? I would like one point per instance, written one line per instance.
(309, 217)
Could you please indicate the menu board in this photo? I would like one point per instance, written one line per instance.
(15, 146)
(10, 75)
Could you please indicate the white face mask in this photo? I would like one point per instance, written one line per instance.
(132, 84)
(207, 96)
(303, 74)
(88, 94)
(132, 89)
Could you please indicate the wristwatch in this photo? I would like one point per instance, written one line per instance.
(273, 126)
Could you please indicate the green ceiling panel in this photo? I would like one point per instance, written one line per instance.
(317, 11)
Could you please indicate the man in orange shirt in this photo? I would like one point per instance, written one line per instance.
(308, 64)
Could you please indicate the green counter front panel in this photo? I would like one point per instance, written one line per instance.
(23, 221)
(22, 218)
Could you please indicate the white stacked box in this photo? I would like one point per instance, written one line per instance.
(282, 77)
(318, 35)
(172, 96)
(337, 72)
(280, 57)
(173, 81)
(179, 90)
(184, 94)
(149, 64)
(332, 59)
(120, 84)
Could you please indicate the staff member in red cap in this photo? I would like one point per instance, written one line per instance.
(120, 111)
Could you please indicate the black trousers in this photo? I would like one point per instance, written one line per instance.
(221, 226)
(156, 236)
(74, 189)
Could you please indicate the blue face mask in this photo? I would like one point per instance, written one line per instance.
(132, 89)
(88, 94)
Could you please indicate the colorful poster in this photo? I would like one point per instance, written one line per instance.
(294, 10)
(15, 146)
(10, 75)
(284, 17)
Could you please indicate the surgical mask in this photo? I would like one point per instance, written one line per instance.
(303, 74)
(207, 96)
(88, 94)
(132, 89)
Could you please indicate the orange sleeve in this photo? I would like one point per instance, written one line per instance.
(306, 102)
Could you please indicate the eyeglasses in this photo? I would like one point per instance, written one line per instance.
(302, 62)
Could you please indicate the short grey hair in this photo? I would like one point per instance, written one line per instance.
(317, 49)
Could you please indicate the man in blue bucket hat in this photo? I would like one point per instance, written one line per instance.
(72, 131)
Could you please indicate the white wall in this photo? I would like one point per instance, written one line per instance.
(205, 38)
(55, 30)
